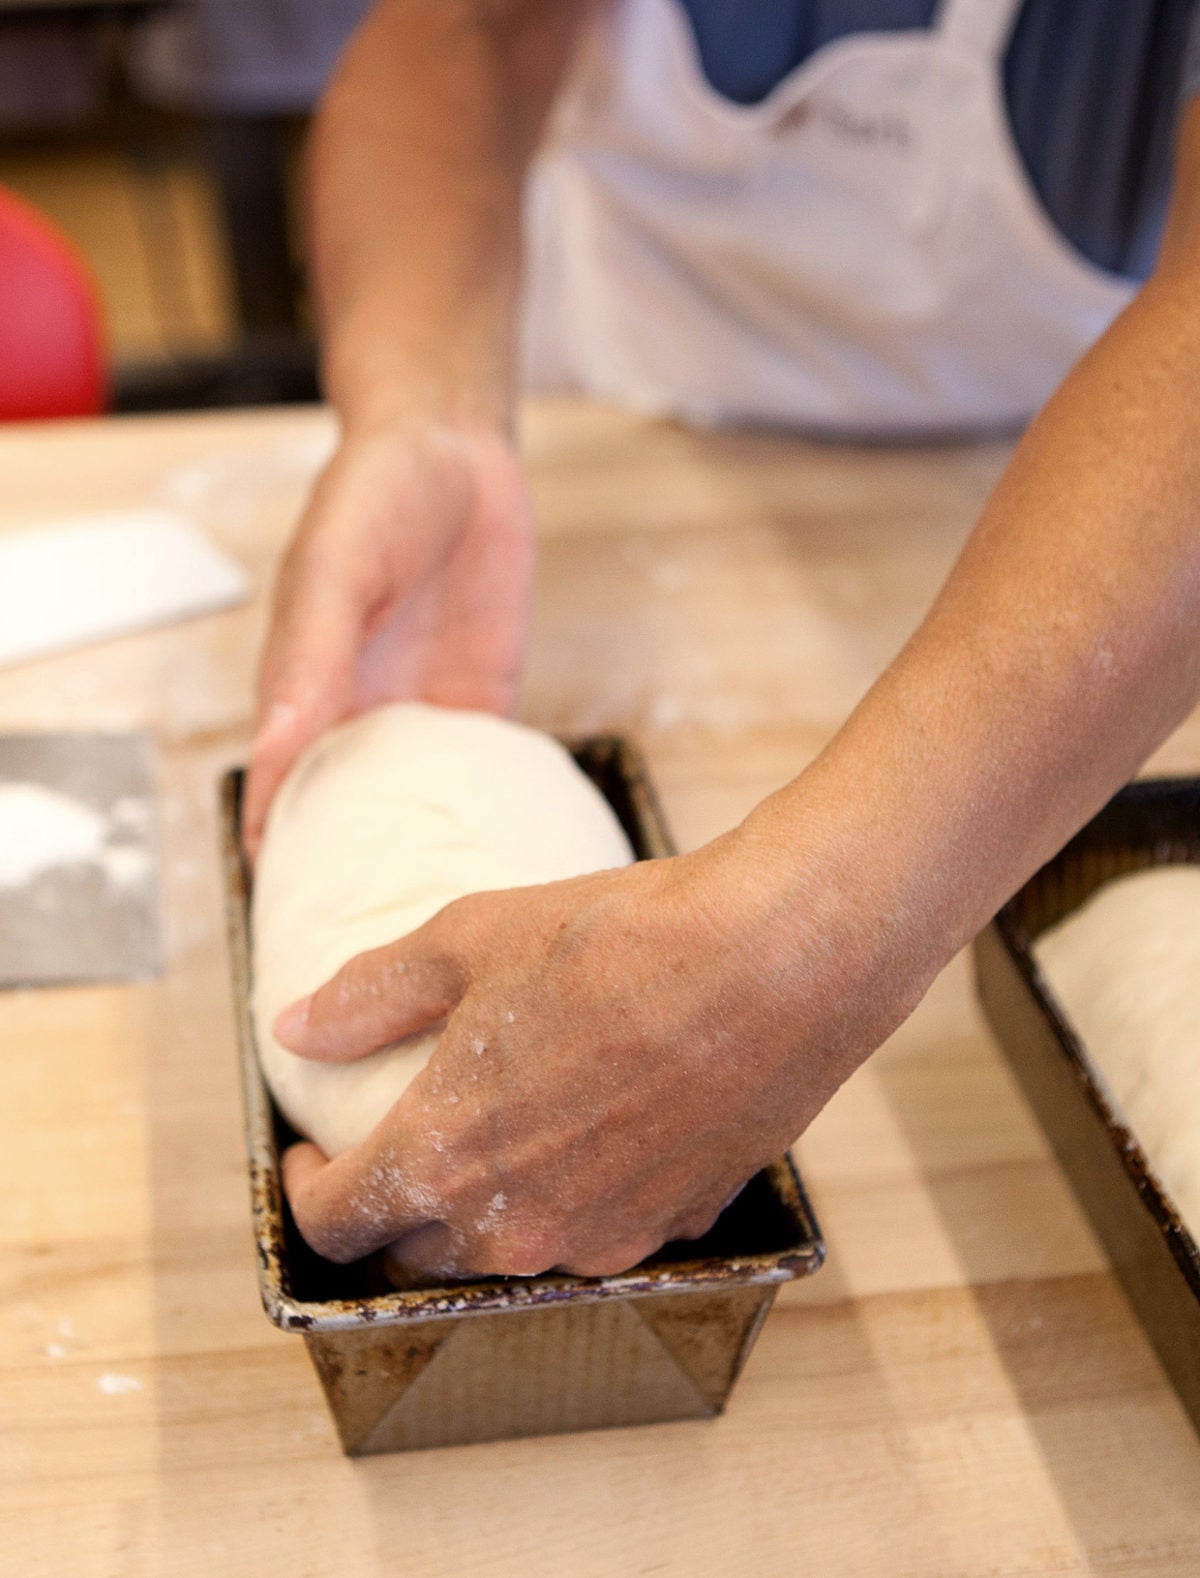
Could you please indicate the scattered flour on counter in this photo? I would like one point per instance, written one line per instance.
(125, 865)
(234, 481)
(131, 812)
(42, 829)
(118, 1385)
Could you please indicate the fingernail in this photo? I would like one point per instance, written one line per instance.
(291, 1024)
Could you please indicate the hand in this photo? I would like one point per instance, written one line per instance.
(409, 577)
(623, 1051)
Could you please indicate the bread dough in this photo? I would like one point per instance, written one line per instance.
(1125, 968)
(379, 825)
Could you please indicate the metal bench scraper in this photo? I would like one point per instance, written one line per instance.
(79, 888)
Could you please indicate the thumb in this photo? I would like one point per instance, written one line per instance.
(306, 683)
(377, 998)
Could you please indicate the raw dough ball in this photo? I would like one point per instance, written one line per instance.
(1126, 969)
(378, 826)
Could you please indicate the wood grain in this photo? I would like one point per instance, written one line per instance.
(961, 1393)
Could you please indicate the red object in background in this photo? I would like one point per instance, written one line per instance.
(52, 352)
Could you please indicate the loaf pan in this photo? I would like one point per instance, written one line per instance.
(1150, 823)
(481, 1361)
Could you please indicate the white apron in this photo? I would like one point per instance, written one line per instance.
(860, 253)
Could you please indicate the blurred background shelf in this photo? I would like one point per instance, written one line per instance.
(163, 138)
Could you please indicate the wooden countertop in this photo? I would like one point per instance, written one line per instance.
(961, 1392)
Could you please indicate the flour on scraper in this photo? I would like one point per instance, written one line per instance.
(1126, 969)
(379, 825)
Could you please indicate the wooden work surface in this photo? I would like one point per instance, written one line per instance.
(961, 1391)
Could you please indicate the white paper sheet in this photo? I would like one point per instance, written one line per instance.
(94, 576)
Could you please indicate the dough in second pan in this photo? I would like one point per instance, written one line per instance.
(1126, 969)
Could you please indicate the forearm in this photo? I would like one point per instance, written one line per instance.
(416, 167)
(1063, 648)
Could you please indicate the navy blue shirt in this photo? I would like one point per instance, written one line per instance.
(1093, 90)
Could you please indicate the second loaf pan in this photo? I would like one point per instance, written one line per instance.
(1150, 823)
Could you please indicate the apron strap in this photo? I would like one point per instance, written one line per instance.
(982, 26)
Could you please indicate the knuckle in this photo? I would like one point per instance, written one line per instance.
(609, 1262)
(525, 1254)
(699, 1218)
(356, 979)
(455, 920)
(324, 1238)
(592, 1267)
(435, 1250)
(358, 985)
(331, 1225)
(433, 938)
(698, 1226)
(442, 945)
(444, 1189)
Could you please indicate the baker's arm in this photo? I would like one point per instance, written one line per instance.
(417, 163)
(410, 572)
(1065, 645)
(651, 1037)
